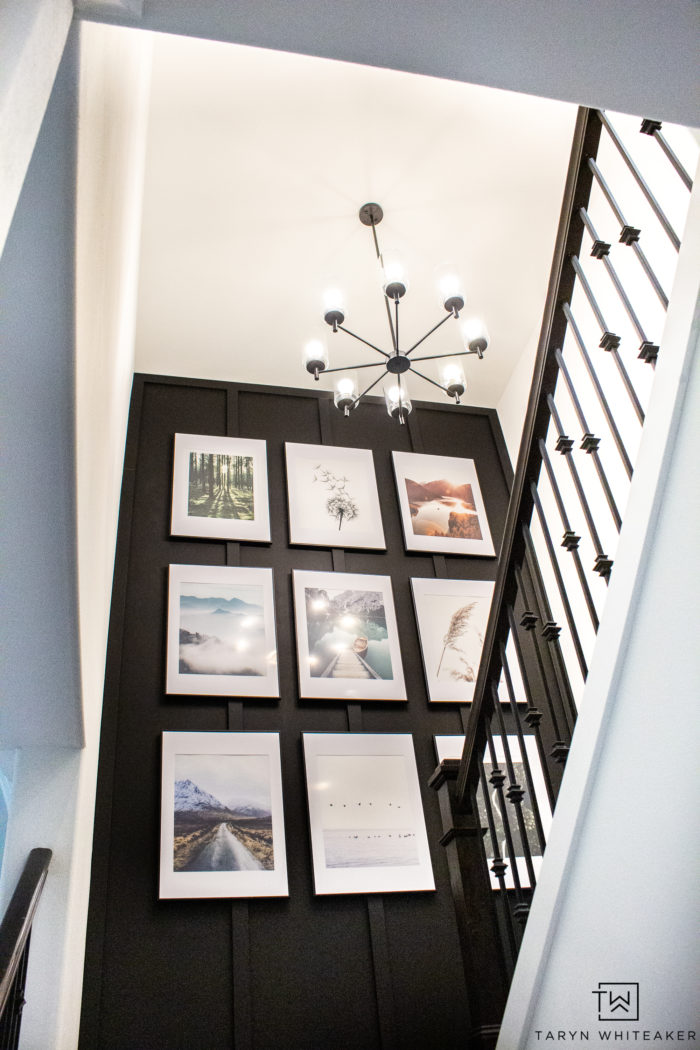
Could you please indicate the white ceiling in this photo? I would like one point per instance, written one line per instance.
(257, 163)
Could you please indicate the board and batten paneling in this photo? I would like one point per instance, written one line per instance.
(303, 972)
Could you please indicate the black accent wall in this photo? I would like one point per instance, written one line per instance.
(296, 973)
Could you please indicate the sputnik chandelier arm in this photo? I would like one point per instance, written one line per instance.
(398, 362)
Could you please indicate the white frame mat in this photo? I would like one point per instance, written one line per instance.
(382, 780)
(231, 883)
(182, 523)
(208, 578)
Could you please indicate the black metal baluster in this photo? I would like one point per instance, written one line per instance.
(561, 586)
(560, 748)
(629, 235)
(550, 629)
(608, 340)
(602, 563)
(534, 720)
(589, 444)
(648, 351)
(653, 128)
(526, 758)
(549, 636)
(617, 437)
(515, 795)
(655, 206)
(498, 866)
(527, 623)
(498, 778)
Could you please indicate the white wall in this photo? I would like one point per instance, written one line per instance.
(512, 405)
(69, 378)
(114, 81)
(618, 895)
(501, 46)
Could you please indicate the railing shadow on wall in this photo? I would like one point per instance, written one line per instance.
(15, 935)
(581, 431)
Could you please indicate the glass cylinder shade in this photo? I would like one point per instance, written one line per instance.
(345, 396)
(453, 380)
(398, 403)
(450, 288)
(315, 357)
(333, 299)
(333, 307)
(394, 280)
(475, 335)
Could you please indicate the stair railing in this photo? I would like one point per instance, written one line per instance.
(15, 935)
(581, 431)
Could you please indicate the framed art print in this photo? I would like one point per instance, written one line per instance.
(451, 747)
(333, 498)
(220, 488)
(222, 824)
(347, 639)
(452, 617)
(221, 632)
(442, 510)
(367, 826)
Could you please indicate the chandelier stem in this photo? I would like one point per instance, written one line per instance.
(429, 380)
(367, 389)
(361, 340)
(391, 326)
(396, 314)
(376, 242)
(351, 368)
(433, 329)
(434, 357)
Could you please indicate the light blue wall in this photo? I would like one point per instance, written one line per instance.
(639, 56)
(40, 673)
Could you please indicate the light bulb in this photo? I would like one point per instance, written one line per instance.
(451, 290)
(475, 335)
(333, 299)
(394, 280)
(453, 380)
(333, 307)
(398, 403)
(315, 357)
(346, 387)
(344, 396)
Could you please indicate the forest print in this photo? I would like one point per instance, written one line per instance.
(220, 486)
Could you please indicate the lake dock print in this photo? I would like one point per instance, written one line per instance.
(347, 639)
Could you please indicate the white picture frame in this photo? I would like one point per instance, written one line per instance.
(442, 509)
(221, 632)
(220, 488)
(451, 617)
(222, 819)
(447, 747)
(366, 817)
(347, 637)
(332, 497)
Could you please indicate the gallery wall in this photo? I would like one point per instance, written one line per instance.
(304, 971)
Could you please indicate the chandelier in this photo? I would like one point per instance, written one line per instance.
(396, 362)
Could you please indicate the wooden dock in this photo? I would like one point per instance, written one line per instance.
(348, 664)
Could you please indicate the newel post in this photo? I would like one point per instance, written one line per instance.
(477, 923)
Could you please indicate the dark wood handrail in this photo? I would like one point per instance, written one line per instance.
(17, 923)
(568, 242)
